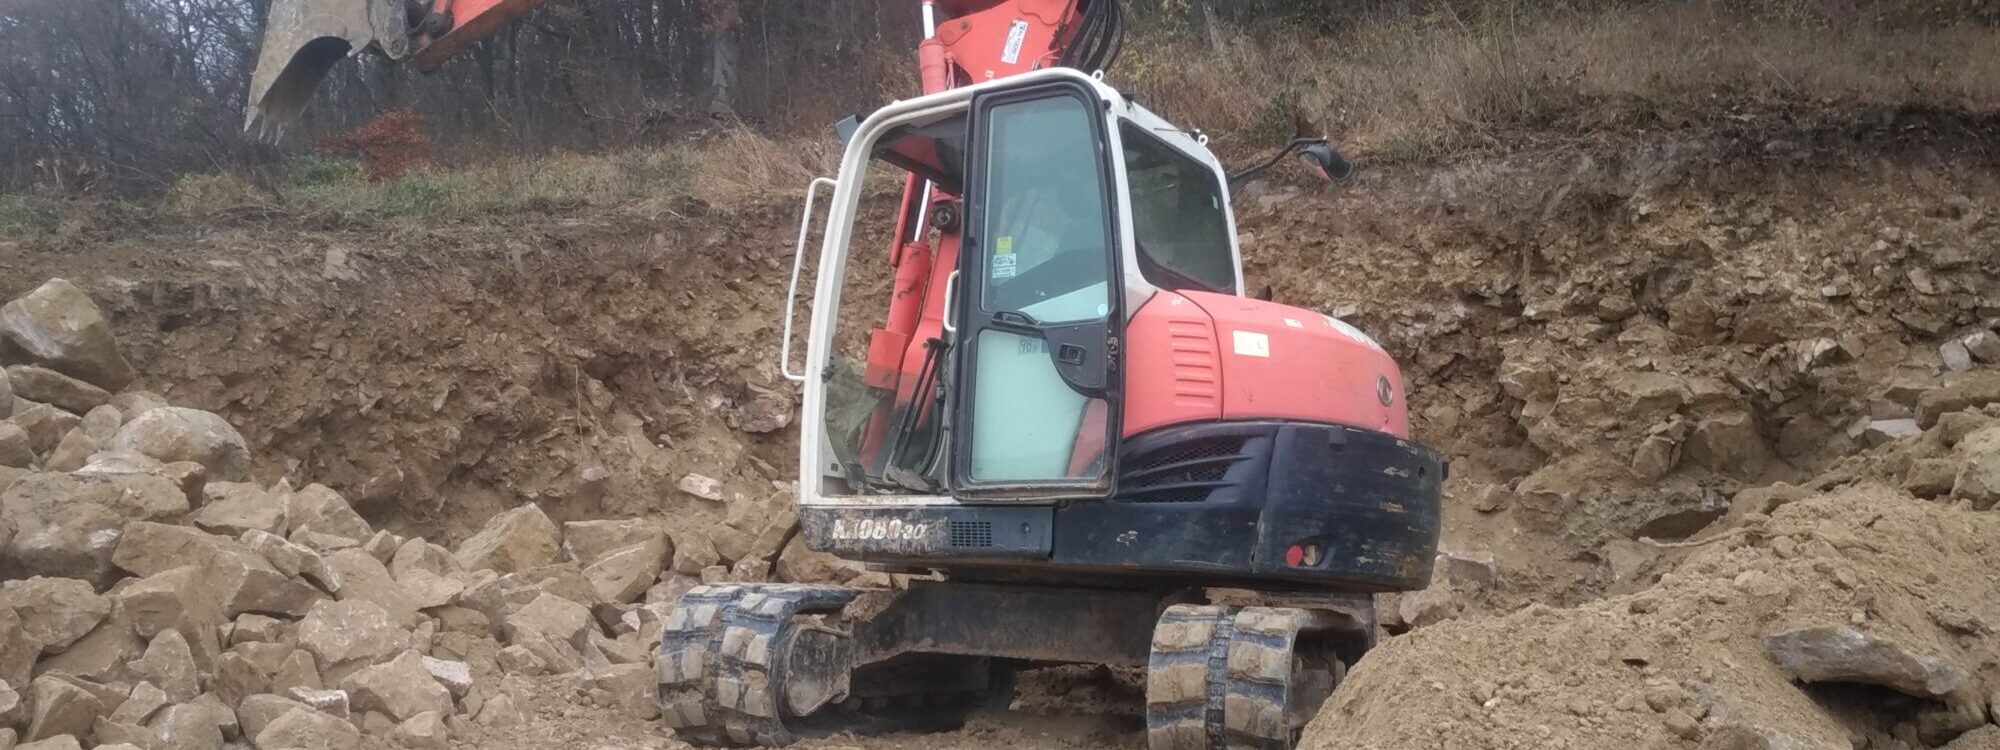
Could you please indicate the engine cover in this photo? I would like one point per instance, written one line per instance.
(1202, 357)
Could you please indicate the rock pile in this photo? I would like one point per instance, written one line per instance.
(1856, 610)
(154, 595)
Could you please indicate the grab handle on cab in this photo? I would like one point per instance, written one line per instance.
(792, 290)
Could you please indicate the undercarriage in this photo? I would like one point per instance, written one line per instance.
(770, 664)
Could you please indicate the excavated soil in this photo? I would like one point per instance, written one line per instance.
(1613, 342)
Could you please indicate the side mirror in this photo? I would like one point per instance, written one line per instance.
(1313, 151)
(1329, 162)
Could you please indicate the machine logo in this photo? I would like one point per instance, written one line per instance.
(1383, 391)
(1016, 34)
(868, 529)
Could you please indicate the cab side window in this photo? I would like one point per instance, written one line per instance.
(1178, 216)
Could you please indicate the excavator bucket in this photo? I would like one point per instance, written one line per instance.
(302, 41)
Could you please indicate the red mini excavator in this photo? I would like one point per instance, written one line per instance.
(1073, 422)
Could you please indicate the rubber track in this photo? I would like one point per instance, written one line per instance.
(1220, 678)
(717, 657)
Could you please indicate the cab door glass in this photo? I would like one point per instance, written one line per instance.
(1045, 213)
(1044, 263)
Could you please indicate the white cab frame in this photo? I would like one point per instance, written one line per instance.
(845, 202)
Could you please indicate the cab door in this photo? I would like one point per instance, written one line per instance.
(1037, 412)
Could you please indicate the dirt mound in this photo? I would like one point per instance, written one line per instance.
(1859, 617)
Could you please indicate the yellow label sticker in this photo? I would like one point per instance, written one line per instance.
(1003, 245)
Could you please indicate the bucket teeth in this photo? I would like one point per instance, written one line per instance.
(302, 41)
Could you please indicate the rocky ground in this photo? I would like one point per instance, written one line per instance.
(1721, 407)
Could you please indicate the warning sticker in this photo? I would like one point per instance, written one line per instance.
(1005, 262)
(1015, 36)
(1253, 344)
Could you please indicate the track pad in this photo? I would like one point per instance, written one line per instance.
(302, 40)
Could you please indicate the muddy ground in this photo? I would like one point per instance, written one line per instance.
(1613, 340)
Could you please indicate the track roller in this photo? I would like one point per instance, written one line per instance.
(756, 666)
(1225, 677)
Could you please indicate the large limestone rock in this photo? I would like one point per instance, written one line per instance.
(425, 731)
(17, 655)
(71, 453)
(306, 729)
(126, 466)
(104, 655)
(235, 507)
(400, 688)
(1730, 444)
(61, 707)
(255, 712)
(241, 580)
(587, 542)
(512, 541)
(147, 548)
(69, 526)
(173, 599)
(623, 575)
(46, 425)
(51, 387)
(501, 596)
(58, 531)
(297, 671)
(342, 632)
(455, 676)
(428, 572)
(417, 555)
(54, 612)
(292, 559)
(553, 616)
(145, 700)
(13, 706)
(117, 734)
(330, 702)
(176, 433)
(16, 450)
(102, 423)
(169, 664)
(59, 742)
(60, 327)
(317, 508)
(1845, 654)
(1968, 391)
(6, 396)
(244, 581)
(363, 578)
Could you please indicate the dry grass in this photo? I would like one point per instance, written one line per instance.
(742, 164)
(1426, 85)
(737, 165)
(320, 186)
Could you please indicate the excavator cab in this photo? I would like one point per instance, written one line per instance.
(1086, 394)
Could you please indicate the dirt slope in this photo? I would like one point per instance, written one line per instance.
(1611, 340)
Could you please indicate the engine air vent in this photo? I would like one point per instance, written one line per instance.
(970, 534)
(1184, 473)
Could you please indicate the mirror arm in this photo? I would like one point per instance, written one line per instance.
(1240, 177)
